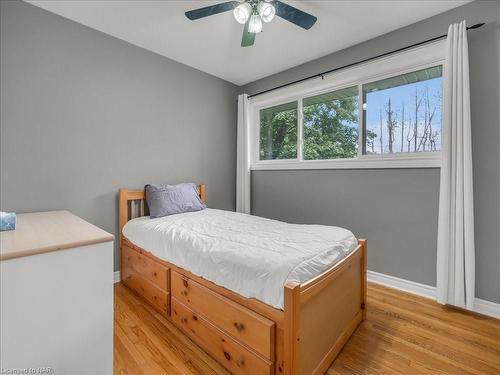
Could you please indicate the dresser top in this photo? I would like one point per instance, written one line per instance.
(42, 232)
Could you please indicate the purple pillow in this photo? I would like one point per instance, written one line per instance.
(164, 200)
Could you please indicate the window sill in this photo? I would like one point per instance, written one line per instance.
(428, 160)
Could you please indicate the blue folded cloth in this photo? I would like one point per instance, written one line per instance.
(7, 221)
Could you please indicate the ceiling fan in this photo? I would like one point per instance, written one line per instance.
(252, 13)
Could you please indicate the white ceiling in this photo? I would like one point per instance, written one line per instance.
(212, 44)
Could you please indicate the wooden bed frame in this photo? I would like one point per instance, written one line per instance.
(245, 335)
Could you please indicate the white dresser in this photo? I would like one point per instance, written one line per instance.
(56, 301)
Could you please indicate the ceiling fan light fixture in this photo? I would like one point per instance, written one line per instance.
(242, 12)
(266, 10)
(252, 14)
(255, 24)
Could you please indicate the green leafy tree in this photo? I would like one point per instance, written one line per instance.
(330, 129)
(278, 133)
(370, 141)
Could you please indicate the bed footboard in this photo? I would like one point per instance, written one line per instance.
(321, 314)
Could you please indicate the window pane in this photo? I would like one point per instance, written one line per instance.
(331, 125)
(403, 113)
(278, 132)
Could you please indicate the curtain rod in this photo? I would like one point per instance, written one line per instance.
(322, 74)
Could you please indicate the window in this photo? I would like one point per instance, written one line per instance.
(278, 132)
(382, 114)
(331, 125)
(403, 114)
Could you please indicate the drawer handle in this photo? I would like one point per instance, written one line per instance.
(185, 283)
(227, 355)
(240, 362)
(184, 292)
(239, 326)
(155, 274)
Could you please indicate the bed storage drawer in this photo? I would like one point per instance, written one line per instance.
(154, 295)
(234, 356)
(245, 325)
(146, 267)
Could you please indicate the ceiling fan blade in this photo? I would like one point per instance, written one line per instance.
(248, 39)
(211, 10)
(294, 15)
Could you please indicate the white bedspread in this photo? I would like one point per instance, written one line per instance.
(247, 254)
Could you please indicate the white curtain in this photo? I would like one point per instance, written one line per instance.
(455, 248)
(243, 156)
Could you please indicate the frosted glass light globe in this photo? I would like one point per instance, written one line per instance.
(255, 24)
(266, 11)
(242, 12)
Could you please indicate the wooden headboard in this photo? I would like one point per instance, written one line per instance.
(132, 204)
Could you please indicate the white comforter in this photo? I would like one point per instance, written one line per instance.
(247, 254)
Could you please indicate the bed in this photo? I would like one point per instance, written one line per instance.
(260, 296)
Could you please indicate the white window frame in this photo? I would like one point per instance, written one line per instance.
(418, 58)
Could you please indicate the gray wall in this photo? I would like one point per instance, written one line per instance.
(400, 220)
(83, 114)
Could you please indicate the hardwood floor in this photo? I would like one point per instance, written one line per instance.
(403, 334)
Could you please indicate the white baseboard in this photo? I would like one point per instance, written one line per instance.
(116, 277)
(481, 306)
(484, 307)
(402, 284)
